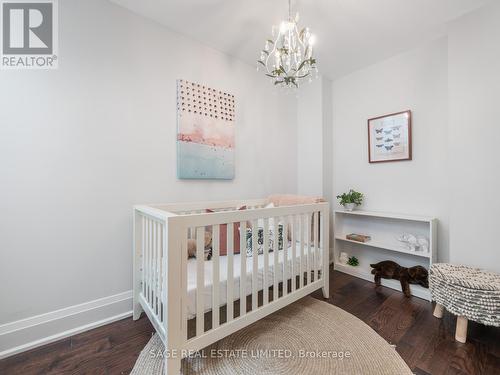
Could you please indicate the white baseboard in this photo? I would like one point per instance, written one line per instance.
(415, 290)
(25, 334)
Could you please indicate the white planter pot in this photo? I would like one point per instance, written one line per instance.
(350, 206)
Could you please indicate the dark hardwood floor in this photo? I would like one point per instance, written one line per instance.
(426, 344)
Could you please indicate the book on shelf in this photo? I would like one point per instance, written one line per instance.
(358, 237)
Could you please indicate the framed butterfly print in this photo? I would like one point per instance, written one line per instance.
(389, 137)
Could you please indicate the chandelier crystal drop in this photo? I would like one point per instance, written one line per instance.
(289, 59)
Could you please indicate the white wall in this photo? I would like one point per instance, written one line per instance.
(416, 80)
(474, 137)
(451, 86)
(310, 134)
(80, 145)
(314, 133)
(314, 145)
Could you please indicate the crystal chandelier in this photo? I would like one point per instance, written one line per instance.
(288, 58)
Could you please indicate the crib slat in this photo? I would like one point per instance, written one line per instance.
(146, 259)
(200, 279)
(143, 273)
(152, 264)
(265, 299)
(160, 269)
(255, 268)
(164, 262)
(153, 254)
(293, 228)
(230, 272)
(301, 251)
(315, 253)
(285, 255)
(276, 260)
(307, 230)
(148, 268)
(184, 294)
(156, 267)
(215, 276)
(243, 268)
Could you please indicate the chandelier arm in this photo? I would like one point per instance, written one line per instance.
(291, 54)
(304, 48)
(272, 52)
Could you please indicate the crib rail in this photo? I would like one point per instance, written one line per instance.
(161, 267)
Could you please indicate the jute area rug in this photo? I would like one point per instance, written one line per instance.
(307, 337)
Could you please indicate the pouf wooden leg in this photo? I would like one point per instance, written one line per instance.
(461, 331)
(438, 311)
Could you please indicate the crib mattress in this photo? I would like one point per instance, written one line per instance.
(223, 263)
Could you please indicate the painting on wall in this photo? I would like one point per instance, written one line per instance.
(205, 132)
(389, 137)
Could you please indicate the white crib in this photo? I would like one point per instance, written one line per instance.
(166, 289)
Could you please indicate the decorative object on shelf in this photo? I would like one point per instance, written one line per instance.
(288, 59)
(388, 269)
(414, 243)
(409, 240)
(469, 293)
(350, 200)
(423, 244)
(205, 132)
(343, 258)
(353, 261)
(384, 228)
(389, 137)
(358, 237)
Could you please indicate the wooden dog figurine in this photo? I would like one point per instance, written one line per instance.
(391, 270)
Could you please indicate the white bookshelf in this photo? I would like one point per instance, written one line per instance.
(384, 228)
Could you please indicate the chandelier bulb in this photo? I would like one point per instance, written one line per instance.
(288, 57)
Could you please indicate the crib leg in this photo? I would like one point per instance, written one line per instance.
(461, 331)
(172, 366)
(137, 276)
(137, 310)
(438, 311)
(326, 290)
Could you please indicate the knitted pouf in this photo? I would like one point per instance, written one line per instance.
(466, 292)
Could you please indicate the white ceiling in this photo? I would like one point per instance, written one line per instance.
(350, 33)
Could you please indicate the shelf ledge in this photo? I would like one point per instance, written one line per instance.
(385, 247)
(386, 215)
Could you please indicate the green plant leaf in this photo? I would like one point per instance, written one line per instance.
(301, 34)
(283, 51)
(302, 64)
(353, 261)
(350, 197)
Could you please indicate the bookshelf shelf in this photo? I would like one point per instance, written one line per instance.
(385, 246)
(384, 228)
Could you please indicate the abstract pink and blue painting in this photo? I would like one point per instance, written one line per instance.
(205, 132)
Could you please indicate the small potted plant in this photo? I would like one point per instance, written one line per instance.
(350, 200)
(353, 261)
